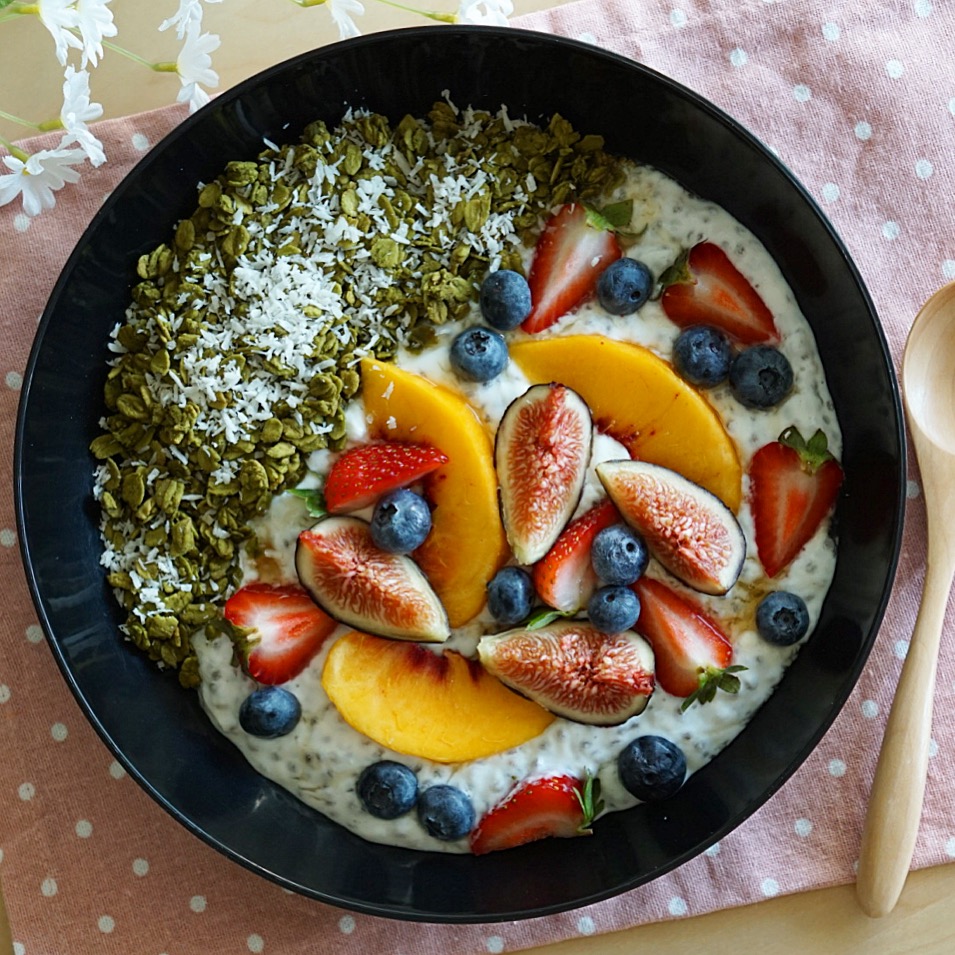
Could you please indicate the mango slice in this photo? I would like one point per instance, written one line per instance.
(637, 398)
(466, 546)
(417, 702)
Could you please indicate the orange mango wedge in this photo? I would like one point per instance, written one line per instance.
(466, 546)
(637, 398)
(438, 706)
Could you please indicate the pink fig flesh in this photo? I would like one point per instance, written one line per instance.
(574, 670)
(690, 531)
(541, 453)
(357, 583)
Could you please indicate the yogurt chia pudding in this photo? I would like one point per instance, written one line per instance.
(462, 558)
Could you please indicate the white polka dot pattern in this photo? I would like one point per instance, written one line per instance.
(861, 108)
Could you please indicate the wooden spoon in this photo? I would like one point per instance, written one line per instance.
(895, 802)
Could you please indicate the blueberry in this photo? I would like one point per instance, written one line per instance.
(782, 618)
(619, 555)
(651, 767)
(510, 595)
(269, 712)
(387, 789)
(446, 812)
(702, 355)
(400, 521)
(505, 299)
(624, 286)
(761, 376)
(613, 609)
(479, 353)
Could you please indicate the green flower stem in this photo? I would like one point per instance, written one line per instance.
(430, 14)
(14, 151)
(135, 57)
(20, 122)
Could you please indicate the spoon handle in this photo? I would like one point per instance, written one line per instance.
(895, 802)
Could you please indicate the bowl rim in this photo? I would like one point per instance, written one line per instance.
(181, 131)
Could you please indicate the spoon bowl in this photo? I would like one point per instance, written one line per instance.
(928, 370)
(895, 802)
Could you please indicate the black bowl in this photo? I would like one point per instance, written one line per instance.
(158, 731)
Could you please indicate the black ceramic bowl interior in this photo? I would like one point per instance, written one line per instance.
(157, 729)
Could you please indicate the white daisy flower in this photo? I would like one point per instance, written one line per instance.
(77, 111)
(189, 13)
(194, 66)
(487, 12)
(95, 21)
(341, 11)
(60, 17)
(37, 177)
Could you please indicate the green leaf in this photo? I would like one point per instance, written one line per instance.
(591, 804)
(618, 214)
(314, 500)
(544, 616)
(5, 3)
(711, 680)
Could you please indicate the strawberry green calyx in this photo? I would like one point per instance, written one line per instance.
(313, 498)
(679, 272)
(597, 219)
(545, 616)
(591, 803)
(711, 680)
(812, 453)
(616, 215)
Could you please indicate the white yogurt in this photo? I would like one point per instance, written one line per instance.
(320, 760)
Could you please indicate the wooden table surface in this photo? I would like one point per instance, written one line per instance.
(256, 34)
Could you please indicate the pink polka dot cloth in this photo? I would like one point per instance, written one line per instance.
(858, 101)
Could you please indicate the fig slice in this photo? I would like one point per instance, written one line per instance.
(689, 530)
(355, 582)
(541, 453)
(574, 670)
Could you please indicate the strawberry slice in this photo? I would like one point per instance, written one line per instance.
(363, 474)
(794, 486)
(703, 287)
(577, 244)
(564, 578)
(283, 629)
(538, 808)
(691, 654)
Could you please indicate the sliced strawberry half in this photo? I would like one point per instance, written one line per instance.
(577, 244)
(363, 474)
(540, 808)
(283, 629)
(794, 485)
(690, 651)
(564, 578)
(703, 287)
